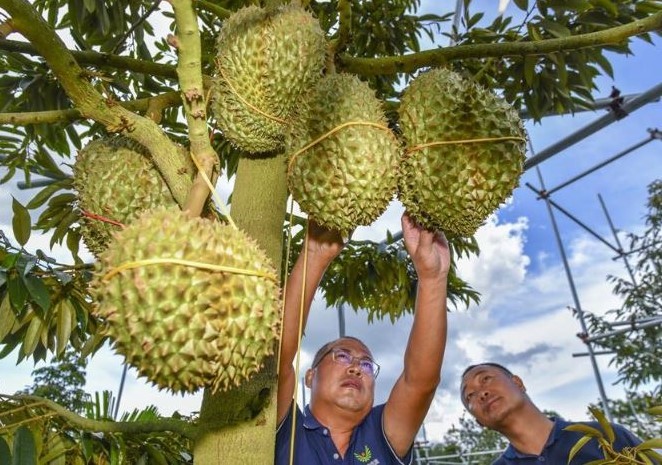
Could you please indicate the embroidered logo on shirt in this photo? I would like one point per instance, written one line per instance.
(365, 456)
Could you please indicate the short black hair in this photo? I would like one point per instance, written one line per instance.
(489, 364)
(326, 348)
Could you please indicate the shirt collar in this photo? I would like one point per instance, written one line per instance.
(309, 420)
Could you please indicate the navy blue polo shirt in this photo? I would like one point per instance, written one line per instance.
(560, 442)
(313, 444)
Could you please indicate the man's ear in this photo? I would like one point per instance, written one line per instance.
(519, 383)
(309, 377)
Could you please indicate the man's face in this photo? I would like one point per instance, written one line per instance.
(491, 395)
(345, 386)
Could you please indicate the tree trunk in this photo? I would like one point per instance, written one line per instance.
(238, 426)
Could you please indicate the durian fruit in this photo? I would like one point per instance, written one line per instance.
(267, 58)
(347, 178)
(116, 179)
(456, 186)
(180, 325)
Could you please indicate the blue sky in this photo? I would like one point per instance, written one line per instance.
(522, 320)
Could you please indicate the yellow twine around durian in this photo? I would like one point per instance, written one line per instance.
(245, 102)
(214, 194)
(462, 141)
(176, 261)
(293, 157)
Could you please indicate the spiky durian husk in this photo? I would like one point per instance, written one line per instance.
(455, 187)
(266, 59)
(116, 179)
(348, 178)
(185, 327)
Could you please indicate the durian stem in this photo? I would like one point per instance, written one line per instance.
(92, 104)
(184, 428)
(189, 70)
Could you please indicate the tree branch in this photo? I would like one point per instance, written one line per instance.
(392, 65)
(151, 105)
(173, 425)
(412, 62)
(165, 153)
(189, 70)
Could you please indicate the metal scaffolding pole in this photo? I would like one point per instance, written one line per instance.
(653, 135)
(618, 241)
(575, 298)
(629, 106)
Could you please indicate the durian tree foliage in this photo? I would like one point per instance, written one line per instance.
(119, 73)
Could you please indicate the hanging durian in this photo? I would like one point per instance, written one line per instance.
(182, 325)
(266, 59)
(348, 177)
(465, 151)
(115, 180)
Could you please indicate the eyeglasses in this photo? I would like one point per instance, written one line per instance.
(343, 357)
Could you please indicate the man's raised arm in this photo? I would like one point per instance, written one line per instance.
(322, 246)
(413, 392)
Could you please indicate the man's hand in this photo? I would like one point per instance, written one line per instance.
(428, 250)
(323, 244)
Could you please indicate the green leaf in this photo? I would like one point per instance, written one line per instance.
(5, 453)
(644, 458)
(43, 195)
(7, 317)
(651, 444)
(522, 4)
(38, 292)
(604, 423)
(18, 293)
(65, 324)
(653, 455)
(578, 445)
(657, 410)
(24, 448)
(32, 335)
(608, 5)
(529, 68)
(582, 428)
(21, 222)
(556, 29)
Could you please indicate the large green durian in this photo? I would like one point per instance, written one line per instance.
(348, 178)
(181, 326)
(267, 58)
(455, 187)
(115, 178)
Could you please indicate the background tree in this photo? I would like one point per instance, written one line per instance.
(470, 438)
(62, 381)
(637, 352)
(633, 413)
(119, 73)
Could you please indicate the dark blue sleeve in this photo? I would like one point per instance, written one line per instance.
(377, 416)
(284, 435)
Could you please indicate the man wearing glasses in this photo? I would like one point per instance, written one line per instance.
(341, 425)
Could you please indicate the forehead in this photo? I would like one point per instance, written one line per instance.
(353, 346)
(477, 371)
